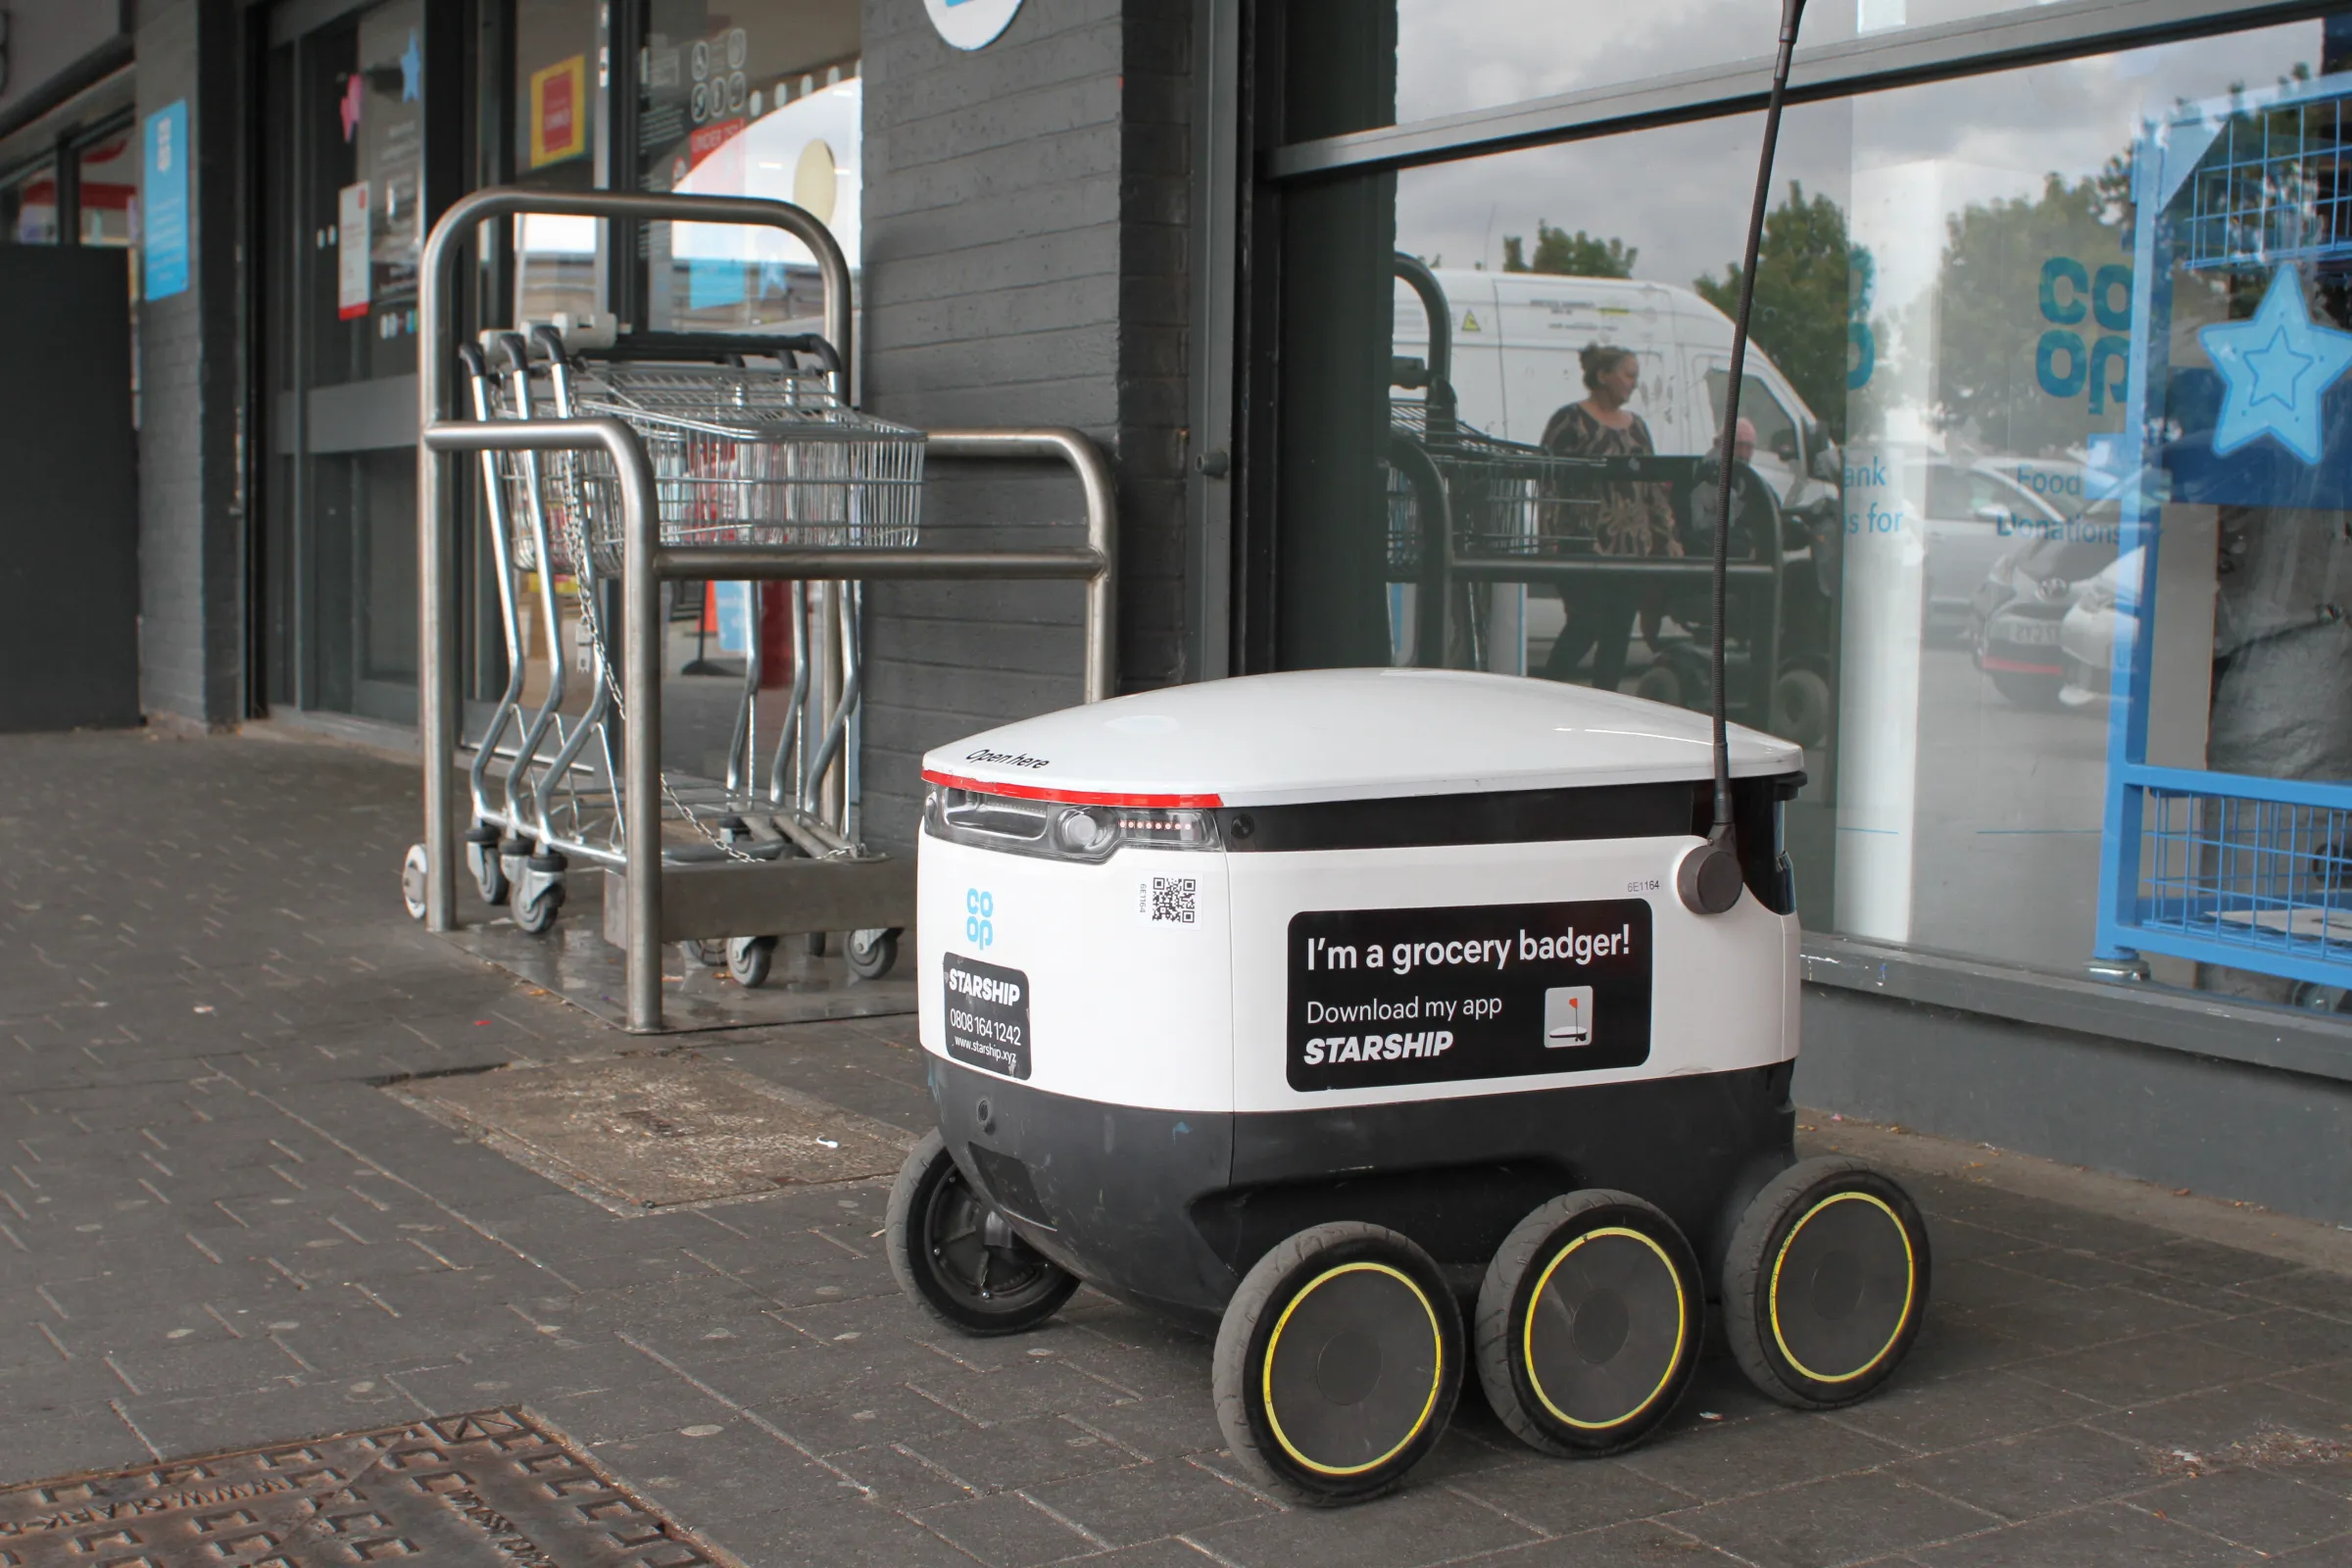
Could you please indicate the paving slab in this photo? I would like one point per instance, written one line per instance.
(217, 1232)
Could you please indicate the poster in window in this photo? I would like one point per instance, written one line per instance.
(354, 278)
(559, 112)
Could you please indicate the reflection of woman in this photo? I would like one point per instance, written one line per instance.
(1628, 519)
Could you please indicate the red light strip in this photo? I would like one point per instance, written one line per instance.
(1032, 792)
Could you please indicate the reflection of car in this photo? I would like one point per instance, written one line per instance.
(2016, 619)
(2103, 613)
(1971, 516)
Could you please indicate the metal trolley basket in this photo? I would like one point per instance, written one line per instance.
(740, 456)
(654, 458)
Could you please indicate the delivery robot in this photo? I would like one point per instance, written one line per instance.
(1388, 1023)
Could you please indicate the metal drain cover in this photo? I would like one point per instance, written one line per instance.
(490, 1488)
(656, 1131)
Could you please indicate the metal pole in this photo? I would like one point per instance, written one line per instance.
(1086, 460)
(641, 663)
(828, 642)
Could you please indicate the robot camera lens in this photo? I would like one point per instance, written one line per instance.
(1081, 831)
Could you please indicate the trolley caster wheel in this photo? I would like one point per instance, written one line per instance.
(1660, 684)
(489, 870)
(956, 1254)
(411, 881)
(538, 896)
(514, 859)
(1825, 1283)
(1802, 707)
(749, 959)
(1588, 1323)
(872, 952)
(1337, 1362)
(708, 954)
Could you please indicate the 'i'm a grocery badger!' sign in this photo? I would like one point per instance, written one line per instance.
(1480, 991)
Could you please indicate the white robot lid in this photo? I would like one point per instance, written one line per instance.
(1347, 735)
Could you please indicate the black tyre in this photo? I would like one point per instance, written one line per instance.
(953, 1254)
(537, 912)
(1337, 1362)
(871, 954)
(1660, 684)
(481, 859)
(1825, 1283)
(749, 959)
(1801, 707)
(1588, 1323)
(2038, 692)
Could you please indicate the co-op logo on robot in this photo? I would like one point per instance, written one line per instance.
(1403, 957)
(979, 918)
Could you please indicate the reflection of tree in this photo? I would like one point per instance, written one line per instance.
(1576, 254)
(1808, 277)
(1993, 373)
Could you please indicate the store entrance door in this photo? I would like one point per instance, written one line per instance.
(342, 236)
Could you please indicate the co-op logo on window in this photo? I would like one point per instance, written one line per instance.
(972, 24)
(979, 918)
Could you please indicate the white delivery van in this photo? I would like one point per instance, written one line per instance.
(1516, 340)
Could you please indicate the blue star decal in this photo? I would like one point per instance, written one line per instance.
(411, 71)
(2275, 365)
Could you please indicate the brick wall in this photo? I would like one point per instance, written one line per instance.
(1025, 228)
(191, 500)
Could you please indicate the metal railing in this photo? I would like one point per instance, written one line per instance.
(646, 563)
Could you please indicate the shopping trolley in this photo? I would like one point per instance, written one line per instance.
(742, 454)
(610, 468)
(1466, 509)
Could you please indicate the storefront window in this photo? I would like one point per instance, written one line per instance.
(760, 98)
(109, 190)
(1969, 314)
(28, 205)
(1453, 57)
(558, 96)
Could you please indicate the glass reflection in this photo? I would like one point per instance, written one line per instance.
(1984, 390)
(764, 100)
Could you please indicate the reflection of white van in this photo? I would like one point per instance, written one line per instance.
(1516, 338)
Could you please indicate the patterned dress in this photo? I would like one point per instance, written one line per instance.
(1629, 518)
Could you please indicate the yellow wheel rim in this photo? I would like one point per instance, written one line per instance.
(1527, 1327)
(1437, 1380)
(1910, 1287)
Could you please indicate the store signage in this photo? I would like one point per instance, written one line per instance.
(164, 202)
(972, 24)
(2062, 365)
(353, 252)
(2276, 367)
(558, 117)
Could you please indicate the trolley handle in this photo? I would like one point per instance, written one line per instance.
(723, 346)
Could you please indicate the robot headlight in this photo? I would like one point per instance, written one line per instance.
(1057, 831)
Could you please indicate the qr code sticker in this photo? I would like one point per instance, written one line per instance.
(1171, 897)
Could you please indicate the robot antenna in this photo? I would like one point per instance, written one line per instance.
(1710, 878)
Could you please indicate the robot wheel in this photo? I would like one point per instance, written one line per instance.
(1825, 1283)
(1588, 1323)
(953, 1252)
(1337, 1362)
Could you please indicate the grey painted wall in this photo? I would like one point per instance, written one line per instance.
(1026, 212)
(2276, 1138)
(47, 36)
(191, 352)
